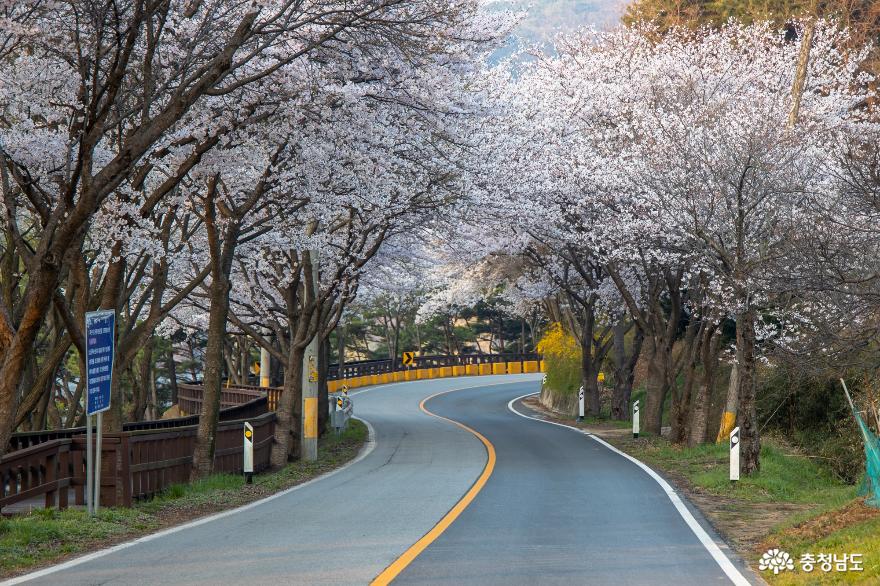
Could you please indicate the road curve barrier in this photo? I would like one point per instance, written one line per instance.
(341, 410)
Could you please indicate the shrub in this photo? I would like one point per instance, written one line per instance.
(562, 359)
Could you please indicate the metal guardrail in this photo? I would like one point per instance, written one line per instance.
(341, 410)
(370, 367)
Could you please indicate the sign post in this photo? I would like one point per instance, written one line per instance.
(734, 454)
(100, 350)
(636, 419)
(581, 403)
(248, 456)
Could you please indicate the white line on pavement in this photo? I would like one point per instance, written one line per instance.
(726, 565)
(365, 451)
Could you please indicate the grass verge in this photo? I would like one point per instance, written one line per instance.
(793, 504)
(47, 536)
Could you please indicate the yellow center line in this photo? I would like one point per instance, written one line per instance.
(392, 571)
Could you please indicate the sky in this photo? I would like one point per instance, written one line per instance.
(547, 17)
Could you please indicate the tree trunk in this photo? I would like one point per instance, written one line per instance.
(141, 386)
(153, 405)
(750, 439)
(589, 368)
(113, 285)
(288, 411)
(40, 287)
(624, 370)
(682, 408)
(681, 405)
(699, 423)
(656, 385)
(171, 365)
(203, 456)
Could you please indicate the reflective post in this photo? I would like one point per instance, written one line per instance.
(581, 403)
(635, 419)
(248, 456)
(734, 454)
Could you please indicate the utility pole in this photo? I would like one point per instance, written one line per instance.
(309, 427)
(265, 367)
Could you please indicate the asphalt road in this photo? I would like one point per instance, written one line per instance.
(558, 508)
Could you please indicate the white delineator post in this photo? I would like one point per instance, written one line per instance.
(248, 456)
(581, 403)
(734, 454)
(635, 419)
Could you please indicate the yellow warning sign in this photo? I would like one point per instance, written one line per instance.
(339, 402)
(409, 358)
(601, 377)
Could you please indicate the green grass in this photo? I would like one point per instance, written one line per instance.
(863, 538)
(813, 491)
(46, 535)
(783, 477)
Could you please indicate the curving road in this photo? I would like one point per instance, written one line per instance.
(558, 507)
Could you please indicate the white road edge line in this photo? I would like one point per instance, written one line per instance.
(365, 451)
(726, 565)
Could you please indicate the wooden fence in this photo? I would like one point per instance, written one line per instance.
(135, 465)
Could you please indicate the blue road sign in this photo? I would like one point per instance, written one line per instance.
(100, 348)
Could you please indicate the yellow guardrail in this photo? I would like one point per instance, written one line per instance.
(523, 367)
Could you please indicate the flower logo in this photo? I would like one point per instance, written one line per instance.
(776, 560)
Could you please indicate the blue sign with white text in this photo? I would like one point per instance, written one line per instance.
(100, 327)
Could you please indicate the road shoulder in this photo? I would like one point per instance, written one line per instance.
(45, 538)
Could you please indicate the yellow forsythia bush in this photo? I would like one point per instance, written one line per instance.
(562, 359)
